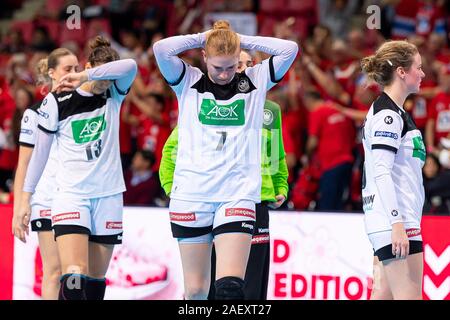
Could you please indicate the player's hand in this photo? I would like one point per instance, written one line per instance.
(71, 81)
(400, 242)
(280, 199)
(21, 221)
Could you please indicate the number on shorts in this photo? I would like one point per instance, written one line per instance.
(94, 150)
(223, 138)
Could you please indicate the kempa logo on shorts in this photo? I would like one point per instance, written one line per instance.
(394, 213)
(45, 213)
(66, 216)
(182, 216)
(243, 212)
(413, 232)
(224, 115)
(88, 129)
(247, 225)
(113, 225)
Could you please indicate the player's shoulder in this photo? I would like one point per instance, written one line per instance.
(65, 97)
(34, 107)
(384, 105)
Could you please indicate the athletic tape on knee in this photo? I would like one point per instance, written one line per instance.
(95, 289)
(229, 288)
(73, 287)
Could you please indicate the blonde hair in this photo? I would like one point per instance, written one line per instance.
(51, 62)
(389, 56)
(222, 40)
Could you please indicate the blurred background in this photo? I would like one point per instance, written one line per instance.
(324, 94)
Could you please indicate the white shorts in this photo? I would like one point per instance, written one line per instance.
(382, 243)
(100, 218)
(200, 222)
(41, 213)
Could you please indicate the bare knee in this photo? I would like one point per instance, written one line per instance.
(197, 291)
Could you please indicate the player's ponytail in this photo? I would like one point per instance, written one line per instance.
(222, 40)
(101, 51)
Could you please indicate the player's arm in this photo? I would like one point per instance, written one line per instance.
(122, 72)
(166, 53)
(47, 125)
(168, 159)
(26, 144)
(280, 177)
(283, 53)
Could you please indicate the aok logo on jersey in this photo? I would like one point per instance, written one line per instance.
(212, 113)
(88, 129)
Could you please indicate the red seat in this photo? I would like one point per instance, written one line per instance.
(98, 26)
(54, 6)
(77, 35)
(300, 6)
(267, 27)
(272, 5)
(52, 27)
(301, 27)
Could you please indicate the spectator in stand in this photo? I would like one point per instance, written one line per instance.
(141, 181)
(436, 181)
(331, 138)
(151, 124)
(438, 123)
(41, 40)
(10, 126)
(420, 17)
(14, 43)
(336, 15)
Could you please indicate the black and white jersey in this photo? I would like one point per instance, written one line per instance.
(219, 147)
(86, 128)
(389, 127)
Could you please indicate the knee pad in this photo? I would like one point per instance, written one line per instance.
(73, 287)
(95, 288)
(229, 288)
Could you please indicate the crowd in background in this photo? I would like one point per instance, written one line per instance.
(324, 96)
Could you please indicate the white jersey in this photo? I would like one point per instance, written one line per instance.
(219, 147)
(28, 134)
(86, 128)
(389, 127)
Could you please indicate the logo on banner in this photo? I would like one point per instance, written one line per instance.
(437, 264)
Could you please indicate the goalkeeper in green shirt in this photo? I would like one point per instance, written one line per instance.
(274, 191)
